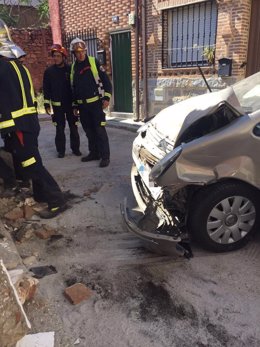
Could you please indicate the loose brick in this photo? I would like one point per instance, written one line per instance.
(77, 293)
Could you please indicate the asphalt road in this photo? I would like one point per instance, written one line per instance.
(139, 298)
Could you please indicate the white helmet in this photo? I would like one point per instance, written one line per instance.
(77, 45)
(8, 48)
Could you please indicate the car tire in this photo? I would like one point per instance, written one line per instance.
(224, 216)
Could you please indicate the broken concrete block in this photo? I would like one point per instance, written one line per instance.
(14, 214)
(16, 275)
(77, 293)
(37, 340)
(29, 260)
(28, 211)
(45, 232)
(26, 288)
(14, 323)
(29, 202)
(25, 285)
(25, 232)
(8, 251)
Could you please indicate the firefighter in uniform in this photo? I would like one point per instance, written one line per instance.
(19, 125)
(57, 94)
(91, 94)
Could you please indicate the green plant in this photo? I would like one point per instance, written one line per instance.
(209, 54)
(43, 9)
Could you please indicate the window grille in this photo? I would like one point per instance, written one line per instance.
(191, 29)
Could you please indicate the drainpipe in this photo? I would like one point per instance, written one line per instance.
(54, 11)
(137, 99)
(144, 60)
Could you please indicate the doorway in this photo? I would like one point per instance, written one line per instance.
(122, 71)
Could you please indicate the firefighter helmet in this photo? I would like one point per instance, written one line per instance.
(58, 48)
(77, 45)
(8, 48)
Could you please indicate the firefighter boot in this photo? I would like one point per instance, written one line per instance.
(53, 212)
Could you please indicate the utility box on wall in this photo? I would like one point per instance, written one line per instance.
(225, 67)
(101, 57)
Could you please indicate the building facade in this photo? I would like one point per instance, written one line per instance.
(155, 50)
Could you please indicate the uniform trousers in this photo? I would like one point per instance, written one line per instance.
(92, 118)
(6, 173)
(24, 147)
(59, 119)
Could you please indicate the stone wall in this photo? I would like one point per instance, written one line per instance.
(36, 43)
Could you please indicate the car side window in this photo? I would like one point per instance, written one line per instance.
(256, 130)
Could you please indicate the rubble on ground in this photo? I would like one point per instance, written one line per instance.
(14, 323)
(18, 225)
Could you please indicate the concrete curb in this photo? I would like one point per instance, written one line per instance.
(118, 123)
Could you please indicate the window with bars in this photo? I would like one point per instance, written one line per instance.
(191, 29)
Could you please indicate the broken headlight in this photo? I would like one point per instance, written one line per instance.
(165, 163)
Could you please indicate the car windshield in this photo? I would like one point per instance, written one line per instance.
(248, 93)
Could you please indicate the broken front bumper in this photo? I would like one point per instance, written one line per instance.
(178, 246)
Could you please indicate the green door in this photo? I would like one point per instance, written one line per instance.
(122, 72)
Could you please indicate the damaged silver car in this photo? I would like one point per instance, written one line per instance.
(196, 171)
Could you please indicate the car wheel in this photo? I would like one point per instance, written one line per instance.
(224, 216)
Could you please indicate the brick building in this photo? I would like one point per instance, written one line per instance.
(164, 41)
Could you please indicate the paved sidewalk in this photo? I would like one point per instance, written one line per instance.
(113, 122)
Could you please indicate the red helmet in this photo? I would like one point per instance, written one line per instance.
(58, 48)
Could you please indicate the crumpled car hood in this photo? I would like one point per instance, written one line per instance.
(174, 120)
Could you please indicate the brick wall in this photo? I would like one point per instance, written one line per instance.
(233, 32)
(79, 14)
(231, 42)
(36, 43)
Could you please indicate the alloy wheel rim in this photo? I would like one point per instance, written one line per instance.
(231, 219)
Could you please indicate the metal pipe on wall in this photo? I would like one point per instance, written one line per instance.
(144, 47)
(54, 11)
(137, 98)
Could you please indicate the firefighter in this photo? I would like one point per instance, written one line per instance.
(91, 95)
(19, 124)
(57, 94)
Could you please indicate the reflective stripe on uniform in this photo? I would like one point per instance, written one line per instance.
(55, 103)
(31, 84)
(7, 124)
(88, 101)
(93, 67)
(28, 162)
(54, 209)
(96, 98)
(108, 94)
(95, 73)
(23, 111)
(21, 83)
(45, 101)
(72, 74)
(103, 124)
